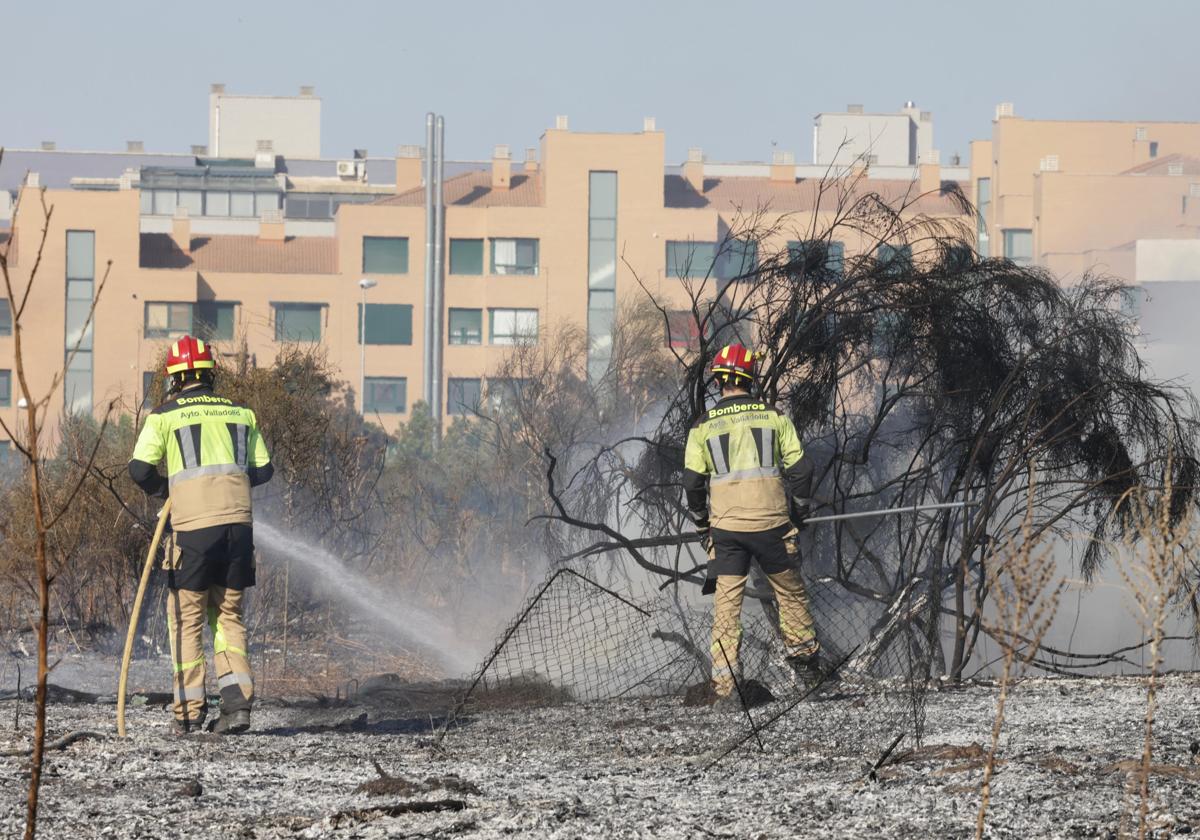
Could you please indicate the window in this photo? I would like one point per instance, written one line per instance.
(510, 326)
(164, 202)
(309, 207)
(216, 204)
(212, 320)
(463, 396)
(192, 201)
(466, 256)
(79, 323)
(385, 255)
(514, 256)
(690, 259)
(466, 326)
(81, 255)
(894, 259)
(814, 254)
(168, 320)
(241, 204)
(5, 317)
(683, 332)
(321, 205)
(386, 394)
(503, 393)
(298, 321)
(81, 273)
(983, 201)
(602, 270)
(77, 383)
(5, 387)
(738, 258)
(1153, 148)
(387, 323)
(1018, 246)
(146, 200)
(150, 395)
(265, 203)
(1132, 298)
(958, 258)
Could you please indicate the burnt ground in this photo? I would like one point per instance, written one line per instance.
(628, 768)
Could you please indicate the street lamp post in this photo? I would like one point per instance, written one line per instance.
(364, 284)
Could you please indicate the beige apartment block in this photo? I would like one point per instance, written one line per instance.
(1075, 197)
(583, 224)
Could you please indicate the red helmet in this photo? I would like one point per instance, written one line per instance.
(189, 354)
(734, 361)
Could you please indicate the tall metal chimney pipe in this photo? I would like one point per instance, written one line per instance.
(427, 355)
(439, 279)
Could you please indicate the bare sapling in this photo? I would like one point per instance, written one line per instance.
(1025, 597)
(1159, 549)
(50, 502)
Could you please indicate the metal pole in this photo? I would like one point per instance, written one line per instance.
(427, 356)
(863, 514)
(362, 351)
(439, 244)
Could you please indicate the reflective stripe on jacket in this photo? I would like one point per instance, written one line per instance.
(213, 450)
(738, 456)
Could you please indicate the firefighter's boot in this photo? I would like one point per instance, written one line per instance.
(231, 723)
(230, 658)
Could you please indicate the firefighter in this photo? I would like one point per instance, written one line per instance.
(214, 455)
(748, 483)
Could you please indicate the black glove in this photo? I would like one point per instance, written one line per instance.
(798, 511)
(700, 520)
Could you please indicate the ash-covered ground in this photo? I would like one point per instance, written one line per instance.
(627, 768)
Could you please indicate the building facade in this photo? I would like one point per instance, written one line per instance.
(272, 248)
(1085, 196)
(258, 248)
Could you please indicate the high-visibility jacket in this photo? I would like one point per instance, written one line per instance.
(214, 454)
(744, 467)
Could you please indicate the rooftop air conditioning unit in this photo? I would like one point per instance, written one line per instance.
(347, 169)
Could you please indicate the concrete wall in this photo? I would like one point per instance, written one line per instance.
(1081, 217)
(237, 123)
(1168, 261)
(841, 138)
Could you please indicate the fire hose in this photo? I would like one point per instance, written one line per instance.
(163, 517)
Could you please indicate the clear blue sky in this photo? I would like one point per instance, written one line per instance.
(730, 77)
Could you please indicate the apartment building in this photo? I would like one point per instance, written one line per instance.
(253, 248)
(1080, 196)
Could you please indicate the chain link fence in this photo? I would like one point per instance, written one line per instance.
(587, 635)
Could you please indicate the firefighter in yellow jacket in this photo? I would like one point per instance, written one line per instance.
(748, 484)
(214, 454)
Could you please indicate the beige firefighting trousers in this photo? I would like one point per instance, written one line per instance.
(186, 613)
(795, 623)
